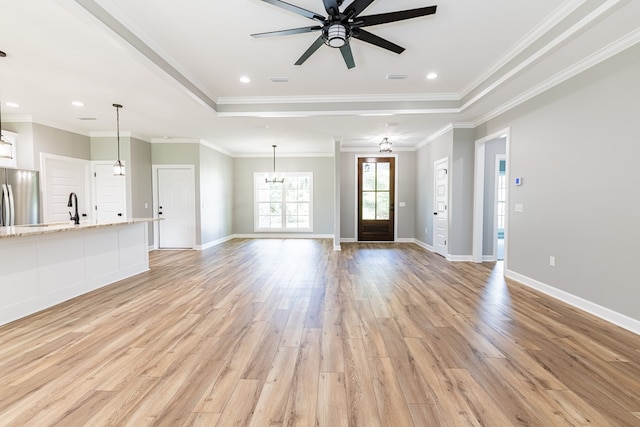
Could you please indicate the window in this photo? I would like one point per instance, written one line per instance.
(284, 206)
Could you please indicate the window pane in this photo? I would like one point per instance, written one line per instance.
(264, 221)
(303, 209)
(264, 209)
(292, 195)
(276, 208)
(369, 176)
(276, 221)
(304, 221)
(292, 209)
(304, 196)
(368, 205)
(264, 195)
(382, 211)
(276, 193)
(383, 176)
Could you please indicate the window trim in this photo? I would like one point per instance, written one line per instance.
(258, 178)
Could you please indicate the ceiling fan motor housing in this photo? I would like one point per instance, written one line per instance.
(336, 34)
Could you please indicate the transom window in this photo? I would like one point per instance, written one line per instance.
(285, 206)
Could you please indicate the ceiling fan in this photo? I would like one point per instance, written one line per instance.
(339, 27)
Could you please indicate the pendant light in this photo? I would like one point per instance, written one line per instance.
(6, 146)
(118, 166)
(274, 179)
(385, 146)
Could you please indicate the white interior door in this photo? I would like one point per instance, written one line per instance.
(441, 207)
(110, 193)
(176, 207)
(61, 177)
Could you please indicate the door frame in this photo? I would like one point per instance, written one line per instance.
(154, 186)
(478, 194)
(395, 192)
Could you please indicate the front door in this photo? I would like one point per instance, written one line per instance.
(176, 208)
(441, 207)
(376, 198)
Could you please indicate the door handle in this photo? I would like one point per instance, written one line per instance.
(119, 213)
(435, 213)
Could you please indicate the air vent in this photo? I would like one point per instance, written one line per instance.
(280, 79)
(87, 118)
(396, 76)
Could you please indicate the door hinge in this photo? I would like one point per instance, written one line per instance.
(95, 174)
(96, 207)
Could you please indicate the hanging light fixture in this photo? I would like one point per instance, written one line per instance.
(6, 146)
(274, 179)
(118, 166)
(385, 145)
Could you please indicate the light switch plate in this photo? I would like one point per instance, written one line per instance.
(519, 207)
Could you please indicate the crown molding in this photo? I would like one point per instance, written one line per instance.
(17, 118)
(557, 16)
(324, 99)
(603, 54)
(572, 31)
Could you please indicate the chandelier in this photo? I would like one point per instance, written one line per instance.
(385, 146)
(274, 178)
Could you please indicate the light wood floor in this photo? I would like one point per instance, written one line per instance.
(289, 332)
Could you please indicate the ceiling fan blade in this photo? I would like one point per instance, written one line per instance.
(296, 9)
(368, 37)
(348, 56)
(332, 6)
(315, 46)
(356, 8)
(383, 18)
(287, 32)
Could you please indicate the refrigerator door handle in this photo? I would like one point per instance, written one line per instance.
(4, 220)
(12, 210)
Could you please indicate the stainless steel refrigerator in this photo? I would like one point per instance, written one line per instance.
(20, 201)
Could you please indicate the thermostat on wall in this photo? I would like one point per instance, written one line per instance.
(518, 180)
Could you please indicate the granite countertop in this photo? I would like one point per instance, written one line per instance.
(56, 227)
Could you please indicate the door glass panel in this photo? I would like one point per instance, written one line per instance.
(369, 177)
(383, 177)
(382, 211)
(369, 205)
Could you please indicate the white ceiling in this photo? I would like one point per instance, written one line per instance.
(175, 66)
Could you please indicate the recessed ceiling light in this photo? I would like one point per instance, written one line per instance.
(77, 103)
(432, 76)
(245, 79)
(11, 104)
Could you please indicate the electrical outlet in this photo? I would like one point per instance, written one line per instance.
(552, 261)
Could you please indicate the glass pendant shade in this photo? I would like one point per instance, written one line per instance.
(385, 146)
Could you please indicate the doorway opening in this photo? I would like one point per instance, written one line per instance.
(501, 205)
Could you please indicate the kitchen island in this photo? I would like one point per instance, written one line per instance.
(46, 264)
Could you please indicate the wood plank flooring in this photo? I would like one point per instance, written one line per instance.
(289, 332)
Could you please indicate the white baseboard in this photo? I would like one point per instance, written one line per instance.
(424, 245)
(348, 240)
(459, 258)
(604, 313)
(282, 236)
(213, 243)
(337, 247)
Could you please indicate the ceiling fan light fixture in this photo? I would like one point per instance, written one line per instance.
(336, 35)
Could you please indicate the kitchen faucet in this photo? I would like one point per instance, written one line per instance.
(76, 217)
